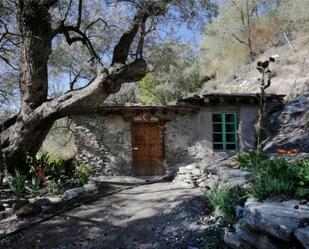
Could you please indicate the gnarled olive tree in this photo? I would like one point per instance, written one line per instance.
(35, 32)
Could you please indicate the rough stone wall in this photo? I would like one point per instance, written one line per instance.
(189, 138)
(104, 143)
(180, 135)
(247, 118)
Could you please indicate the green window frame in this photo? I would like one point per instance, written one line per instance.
(224, 131)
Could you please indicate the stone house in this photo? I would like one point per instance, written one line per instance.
(151, 140)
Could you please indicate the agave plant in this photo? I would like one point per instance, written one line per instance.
(16, 182)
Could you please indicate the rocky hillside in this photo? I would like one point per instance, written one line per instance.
(289, 128)
(291, 71)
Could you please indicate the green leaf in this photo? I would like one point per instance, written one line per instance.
(302, 192)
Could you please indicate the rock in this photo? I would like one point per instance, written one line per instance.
(234, 241)
(91, 188)
(237, 181)
(72, 193)
(303, 202)
(192, 166)
(28, 210)
(278, 219)
(239, 210)
(54, 199)
(40, 201)
(6, 213)
(256, 239)
(302, 234)
(183, 170)
(18, 203)
(2, 208)
(232, 173)
(196, 171)
(2, 215)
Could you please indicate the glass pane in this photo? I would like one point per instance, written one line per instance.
(230, 138)
(218, 146)
(231, 146)
(230, 128)
(216, 118)
(230, 118)
(218, 138)
(217, 128)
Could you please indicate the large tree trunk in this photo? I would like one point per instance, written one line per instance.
(26, 132)
(34, 24)
(36, 34)
(30, 130)
(2, 162)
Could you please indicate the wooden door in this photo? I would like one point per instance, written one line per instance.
(147, 146)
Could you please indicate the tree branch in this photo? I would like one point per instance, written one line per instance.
(238, 39)
(121, 51)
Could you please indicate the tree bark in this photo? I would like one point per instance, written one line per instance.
(34, 23)
(2, 162)
(26, 132)
(29, 131)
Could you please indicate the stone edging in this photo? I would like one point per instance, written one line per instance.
(69, 202)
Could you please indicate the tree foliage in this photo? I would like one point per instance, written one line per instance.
(243, 30)
(92, 47)
(176, 74)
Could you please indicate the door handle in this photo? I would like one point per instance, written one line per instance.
(135, 148)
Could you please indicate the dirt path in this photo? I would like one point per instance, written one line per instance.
(161, 215)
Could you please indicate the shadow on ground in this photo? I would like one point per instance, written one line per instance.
(153, 216)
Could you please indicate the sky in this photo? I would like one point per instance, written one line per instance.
(191, 35)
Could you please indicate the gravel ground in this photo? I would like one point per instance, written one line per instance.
(161, 215)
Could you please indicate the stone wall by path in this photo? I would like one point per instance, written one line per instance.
(207, 175)
(103, 143)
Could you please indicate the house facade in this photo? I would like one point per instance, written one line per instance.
(153, 140)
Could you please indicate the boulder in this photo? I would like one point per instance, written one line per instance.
(184, 170)
(18, 203)
(232, 173)
(237, 181)
(28, 210)
(6, 213)
(256, 239)
(54, 199)
(234, 241)
(72, 193)
(302, 234)
(91, 188)
(278, 219)
(40, 201)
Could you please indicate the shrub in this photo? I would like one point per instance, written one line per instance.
(54, 187)
(50, 165)
(248, 160)
(33, 185)
(16, 182)
(82, 174)
(274, 176)
(224, 199)
(278, 168)
(264, 186)
(302, 174)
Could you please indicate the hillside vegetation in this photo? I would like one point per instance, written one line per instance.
(291, 72)
(244, 32)
(248, 31)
